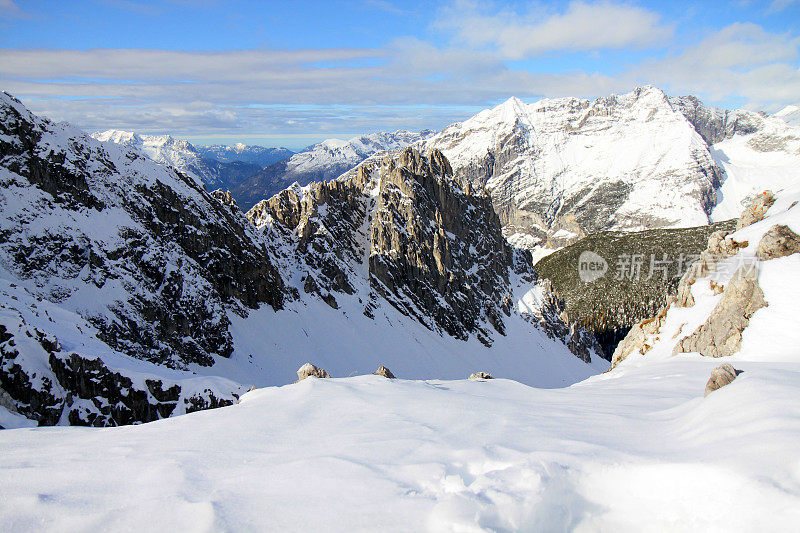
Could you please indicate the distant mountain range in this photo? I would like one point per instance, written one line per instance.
(320, 162)
(256, 155)
(557, 169)
(254, 173)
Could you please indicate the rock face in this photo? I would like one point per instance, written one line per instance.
(637, 337)
(51, 384)
(385, 372)
(173, 255)
(714, 124)
(480, 375)
(310, 371)
(720, 247)
(136, 252)
(721, 376)
(721, 334)
(756, 210)
(433, 247)
(779, 241)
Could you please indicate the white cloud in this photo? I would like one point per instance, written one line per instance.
(741, 61)
(780, 5)
(582, 26)
(409, 84)
(9, 8)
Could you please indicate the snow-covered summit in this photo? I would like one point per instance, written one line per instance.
(561, 168)
(164, 149)
(790, 114)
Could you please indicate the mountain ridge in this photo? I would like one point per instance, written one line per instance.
(129, 293)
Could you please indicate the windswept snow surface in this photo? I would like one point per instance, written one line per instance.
(638, 451)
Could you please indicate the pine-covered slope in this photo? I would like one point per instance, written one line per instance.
(642, 270)
(129, 293)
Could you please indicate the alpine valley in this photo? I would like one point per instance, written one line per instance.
(143, 278)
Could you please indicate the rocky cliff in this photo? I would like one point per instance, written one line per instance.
(429, 245)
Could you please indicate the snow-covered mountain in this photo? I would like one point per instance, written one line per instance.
(198, 162)
(790, 114)
(321, 162)
(256, 155)
(130, 293)
(164, 149)
(559, 169)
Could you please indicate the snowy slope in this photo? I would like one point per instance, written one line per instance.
(750, 168)
(790, 114)
(643, 451)
(635, 449)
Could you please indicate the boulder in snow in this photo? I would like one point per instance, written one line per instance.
(309, 370)
(385, 372)
(721, 376)
(481, 375)
(779, 241)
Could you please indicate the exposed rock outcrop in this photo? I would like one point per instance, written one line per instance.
(385, 372)
(720, 247)
(721, 334)
(433, 246)
(481, 375)
(637, 338)
(7, 401)
(82, 390)
(756, 209)
(721, 376)
(779, 241)
(310, 371)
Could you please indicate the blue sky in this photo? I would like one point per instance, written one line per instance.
(293, 73)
